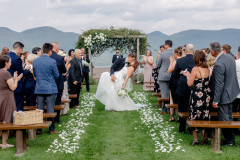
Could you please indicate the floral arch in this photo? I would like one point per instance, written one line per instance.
(96, 41)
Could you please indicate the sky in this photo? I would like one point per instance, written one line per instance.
(166, 16)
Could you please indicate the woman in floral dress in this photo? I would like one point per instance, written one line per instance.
(198, 80)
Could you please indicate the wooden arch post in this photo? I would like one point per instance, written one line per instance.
(90, 57)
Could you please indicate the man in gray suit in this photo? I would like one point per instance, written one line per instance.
(163, 76)
(225, 89)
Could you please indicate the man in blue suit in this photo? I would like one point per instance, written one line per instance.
(61, 70)
(46, 72)
(17, 66)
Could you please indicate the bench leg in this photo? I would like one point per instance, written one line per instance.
(21, 144)
(216, 140)
(31, 133)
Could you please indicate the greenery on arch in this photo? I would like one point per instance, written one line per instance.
(123, 38)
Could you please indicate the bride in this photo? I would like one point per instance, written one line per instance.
(107, 89)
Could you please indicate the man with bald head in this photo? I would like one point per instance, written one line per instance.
(75, 77)
(5, 51)
(183, 91)
(61, 69)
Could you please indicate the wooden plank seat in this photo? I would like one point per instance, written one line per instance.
(216, 135)
(56, 108)
(21, 143)
(163, 99)
(148, 82)
(49, 115)
(149, 86)
(213, 114)
(172, 106)
(157, 94)
(72, 96)
(65, 101)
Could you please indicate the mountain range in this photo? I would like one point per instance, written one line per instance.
(199, 38)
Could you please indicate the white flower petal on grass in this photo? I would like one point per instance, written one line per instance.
(161, 132)
(67, 141)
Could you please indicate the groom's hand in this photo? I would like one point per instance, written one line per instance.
(113, 78)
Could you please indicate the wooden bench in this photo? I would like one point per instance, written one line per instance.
(216, 135)
(148, 82)
(157, 94)
(65, 101)
(71, 96)
(213, 114)
(21, 143)
(56, 108)
(172, 106)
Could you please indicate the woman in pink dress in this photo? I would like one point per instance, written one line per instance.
(148, 61)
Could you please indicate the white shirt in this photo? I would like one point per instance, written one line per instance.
(238, 73)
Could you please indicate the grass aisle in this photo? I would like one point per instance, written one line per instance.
(126, 135)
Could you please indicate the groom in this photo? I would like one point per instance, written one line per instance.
(120, 63)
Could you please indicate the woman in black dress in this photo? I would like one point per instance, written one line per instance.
(198, 80)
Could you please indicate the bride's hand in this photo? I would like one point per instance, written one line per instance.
(123, 87)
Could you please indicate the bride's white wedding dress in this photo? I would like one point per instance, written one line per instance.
(107, 92)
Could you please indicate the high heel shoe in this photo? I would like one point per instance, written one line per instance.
(205, 142)
(195, 143)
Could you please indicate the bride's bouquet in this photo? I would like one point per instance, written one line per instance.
(122, 93)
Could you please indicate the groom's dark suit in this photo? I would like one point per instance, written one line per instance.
(117, 65)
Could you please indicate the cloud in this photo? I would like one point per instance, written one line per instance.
(163, 15)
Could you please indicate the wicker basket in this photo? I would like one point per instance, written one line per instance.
(28, 117)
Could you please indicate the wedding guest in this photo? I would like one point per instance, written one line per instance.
(75, 77)
(30, 83)
(85, 61)
(226, 49)
(37, 51)
(116, 56)
(61, 69)
(26, 54)
(7, 85)
(210, 62)
(183, 90)
(17, 66)
(173, 81)
(71, 55)
(236, 104)
(199, 101)
(46, 72)
(162, 49)
(5, 51)
(148, 61)
(155, 71)
(206, 51)
(238, 54)
(163, 76)
(226, 89)
(23, 59)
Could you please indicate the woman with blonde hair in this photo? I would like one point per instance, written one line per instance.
(30, 82)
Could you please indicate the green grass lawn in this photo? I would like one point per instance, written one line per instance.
(118, 135)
